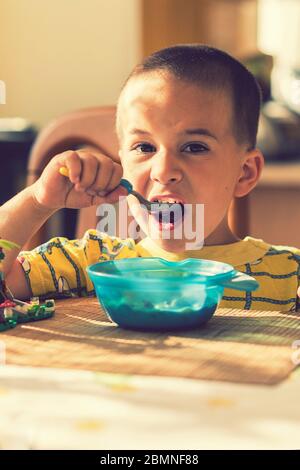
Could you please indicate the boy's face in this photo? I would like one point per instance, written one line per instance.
(177, 141)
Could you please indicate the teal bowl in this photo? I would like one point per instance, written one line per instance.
(153, 294)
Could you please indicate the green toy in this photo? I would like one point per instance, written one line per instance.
(14, 311)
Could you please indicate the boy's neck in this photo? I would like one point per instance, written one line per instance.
(221, 236)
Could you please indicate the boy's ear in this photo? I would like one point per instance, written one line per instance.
(252, 165)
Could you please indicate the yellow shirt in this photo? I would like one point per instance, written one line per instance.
(58, 267)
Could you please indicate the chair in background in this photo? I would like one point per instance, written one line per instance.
(94, 127)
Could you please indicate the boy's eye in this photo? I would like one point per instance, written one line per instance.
(195, 148)
(144, 148)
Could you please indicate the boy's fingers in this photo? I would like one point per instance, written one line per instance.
(115, 179)
(104, 175)
(88, 172)
(73, 162)
(298, 291)
(94, 173)
(112, 197)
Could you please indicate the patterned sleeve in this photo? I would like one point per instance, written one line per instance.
(57, 268)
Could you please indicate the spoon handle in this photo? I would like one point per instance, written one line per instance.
(127, 185)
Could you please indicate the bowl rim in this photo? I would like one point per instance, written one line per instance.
(197, 279)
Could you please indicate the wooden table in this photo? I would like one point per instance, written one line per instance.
(79, 381)
(236, 345)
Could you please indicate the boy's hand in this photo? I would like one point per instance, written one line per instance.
(93, 179)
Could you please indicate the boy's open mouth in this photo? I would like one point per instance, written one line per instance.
(170, 214)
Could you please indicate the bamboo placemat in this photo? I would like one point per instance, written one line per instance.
(239, 346)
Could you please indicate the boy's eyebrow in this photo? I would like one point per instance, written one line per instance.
(138, 131)
(200, 131)
(197, 131)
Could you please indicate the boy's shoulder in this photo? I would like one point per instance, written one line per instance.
(273, 252)
(277, 270)
(110, 246)
(92, 243)
(94, 234)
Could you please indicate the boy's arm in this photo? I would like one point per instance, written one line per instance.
(20, 218)
(90, 175)
(17, 283)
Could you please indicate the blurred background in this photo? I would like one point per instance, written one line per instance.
(57, 56)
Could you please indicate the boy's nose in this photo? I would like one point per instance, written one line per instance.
(165, 170)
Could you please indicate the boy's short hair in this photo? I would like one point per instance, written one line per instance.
(210, 67)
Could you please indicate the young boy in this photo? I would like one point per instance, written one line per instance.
(187, 121)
